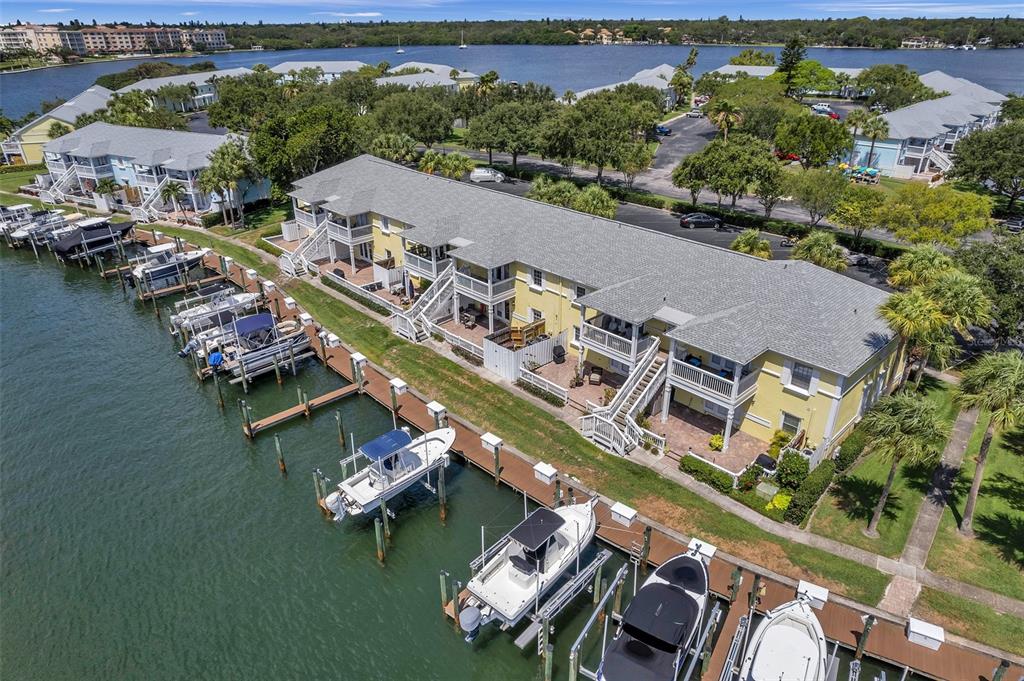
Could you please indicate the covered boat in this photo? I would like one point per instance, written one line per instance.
(788, 645)
(91, 236)
(163, 261)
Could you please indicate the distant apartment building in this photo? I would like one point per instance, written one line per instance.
(922, 42)
(415, 74)
(109, 39)
(203, 88)
(329, 70)
(658, 77)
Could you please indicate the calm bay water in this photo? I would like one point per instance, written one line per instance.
(561, 67)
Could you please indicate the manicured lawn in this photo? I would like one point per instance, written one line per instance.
(536, 432)
(971, 620)
(9, 182)
(848, 507)
(994, 559)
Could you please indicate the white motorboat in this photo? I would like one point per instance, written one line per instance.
(13, 217)
(203, 310)
(394, 462)
(525, 564)
(659, 625)
(788, 645)
(251, 345)
(160, 262)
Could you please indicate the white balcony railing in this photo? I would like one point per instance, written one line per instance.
(419, 266)
(147, 180)
(308, 219)
(615, 346)
(482, 290)
(13, 147)
(690, 377)
(348, 235)
(59, 167)
(94, 171)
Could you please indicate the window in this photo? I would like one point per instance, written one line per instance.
(537, 280)
(790, 423)
(722, 363)
(536, 315)
(580, 291)
(801, 376)
(576, 334)
(361, 220)
(385, 226)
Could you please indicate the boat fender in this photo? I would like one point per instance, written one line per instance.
(469, 621)
(336, 505)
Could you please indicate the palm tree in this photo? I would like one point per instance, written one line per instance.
(569, 97)
(751, 243)
(912, 316)
(173, 193)
(107, 186)
(876, 128)
(820, 248)
(855, 121)
(208, 184)
(487, 83)
(995, 383)
(903, 427)
(725, 115)
(595, 200)
(394, 147)
(430, 162)
(918, 266)
(456, 166)
(962, 301)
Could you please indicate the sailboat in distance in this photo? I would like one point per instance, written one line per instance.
(399, 50)
(462, 41)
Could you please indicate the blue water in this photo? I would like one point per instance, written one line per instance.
(561, 67)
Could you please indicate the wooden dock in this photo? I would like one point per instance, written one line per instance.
(841, 619)
(149, 294)
(301, 409)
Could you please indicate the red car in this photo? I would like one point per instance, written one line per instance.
(786, 157)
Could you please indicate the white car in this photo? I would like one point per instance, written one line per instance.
(486, 175)
(821, 107)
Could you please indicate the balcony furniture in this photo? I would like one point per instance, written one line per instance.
(558, 354)
(693, 360)
(596, 374)
(339, 272)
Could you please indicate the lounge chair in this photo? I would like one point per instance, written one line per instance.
(595, 376)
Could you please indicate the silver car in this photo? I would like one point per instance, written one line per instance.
(486, 175)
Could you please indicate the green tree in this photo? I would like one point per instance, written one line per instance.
(858, 209)
(911, 315)
(632, 160)
(393, 147)
(298, 144)
(995, 156)
(682, 85)
(595, 200)
(691, 174)
(817, 140)
(57, 129)
(514, 127)
(107, 186)
(602, 132)
(892, 86)
(1012, 109)
(230, 168)
(753, 57)
(902, 428)
(820, 247)
(209, 184)
(942, 215)
(808, 76)
(558, 136)
(993, 384)
(482, 133)
(430, 162)
(855, 121)
(918, 266)
(961, 299)
(874, 128)
(750, 242)
(133, 109)
(999, 266)
(792, 54)
(725, 116)
(456, 166)
(556, 192)
(178, 96)
(415, 113)
(770, 184)
(818, 191)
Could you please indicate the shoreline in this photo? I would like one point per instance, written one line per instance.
(132, 58)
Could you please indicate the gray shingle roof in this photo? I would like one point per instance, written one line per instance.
(656, 77)
(765, 71)
(171, 149)
(326, 66)
(943, 82)
(184, 79)
(83, 103)
(424, 79)
(740, 305)
(934, 117)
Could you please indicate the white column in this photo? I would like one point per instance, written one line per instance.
(636, 337)
(579, 364)
(666, 398)
(490, 319)
(455, 306)
(728, 429)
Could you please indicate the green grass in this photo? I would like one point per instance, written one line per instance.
(848, 507)
(994, 559)
(9, 182)
(536, 432)
(971, 620)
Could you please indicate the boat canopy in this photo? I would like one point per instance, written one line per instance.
(387, 444)
(685, 571)
(83, 236)
(661, 616)
(534, 532)
(246, 326)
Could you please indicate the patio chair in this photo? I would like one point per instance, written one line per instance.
(595, 376)
(340, 273)
(558, 354)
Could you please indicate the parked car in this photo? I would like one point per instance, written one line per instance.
(1014, 225)
(486, 175)
(692, 220)
(694, 113)
(821, 107)
(662, 130)
(786, 157)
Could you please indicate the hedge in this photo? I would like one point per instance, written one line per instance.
(364, 301)
(550, 398)
(269, 248)
(851, 449)
(810, 490)
(22, 168)
(212, 219)
(706, 473)
(467, 355)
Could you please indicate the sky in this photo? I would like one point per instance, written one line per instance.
(296, 11)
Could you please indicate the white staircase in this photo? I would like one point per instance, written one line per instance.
(146, 212)
(301, 261)
(413, 324)
(940, 159)
(57, 191)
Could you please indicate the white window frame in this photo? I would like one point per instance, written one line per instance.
(782, 422)
(797, 366)
(579, 291)
(385, 225)
(536, 315)
(534, 275)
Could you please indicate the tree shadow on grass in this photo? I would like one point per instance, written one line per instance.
(857, 497)
(1005, 533)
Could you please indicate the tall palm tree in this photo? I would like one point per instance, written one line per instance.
(487, 83)
(918, 266)
(208, 183)
(751, 243)
(820, 248)
(902, 428)
(876, 128)
(569, 97)
(173, 193)
(855, 121)
(725, 115)
(995, 383)
(399, 148)
(107, 186)
(911, 315)
(962, 301)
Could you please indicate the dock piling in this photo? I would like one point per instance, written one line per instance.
(598, 583)
(384, 520)
(734, 586)
(645, 550)
(220, 395)
(1000, 671)
(318, 489)
(549, 658)
(456, 591)
(444, 590)
(558, 493)
(341, 429)
(442, 495)
(862, 640)
(291, 359)
(379, 532)
(280, 457)
(277, 370)
(245, 379)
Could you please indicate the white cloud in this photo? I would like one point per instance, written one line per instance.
(189, 14)
(349, 14)
(55, 10)
(913, 8)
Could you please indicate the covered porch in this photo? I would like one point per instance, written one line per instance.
(366, 275)
(469, 325)
(595, 382)
(688, 430)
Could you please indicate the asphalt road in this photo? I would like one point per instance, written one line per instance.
(689, 135)
(668, 223)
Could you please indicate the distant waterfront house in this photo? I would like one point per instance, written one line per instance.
(331, 69)
(710, 340)
(425, 74)
(203, 95)
(141, 161)
(657, 77)
(25, 145)
(922, 135)
(847, 90)
(921, 42)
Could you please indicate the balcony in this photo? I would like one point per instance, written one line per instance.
(483, 291)
(94, 172)
(348, 235)
(145, 180)
(310, 220)
(11, 147)
(418, 266)
(711, 385)
(613, 344)
(57, 167)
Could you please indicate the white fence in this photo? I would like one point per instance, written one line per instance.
(544, 384)
(508, 363)
(456, 341)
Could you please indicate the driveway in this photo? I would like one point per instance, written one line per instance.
(689, 135)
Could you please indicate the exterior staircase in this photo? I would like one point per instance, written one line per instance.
(414, 323)
(300, 261)
(57, 191)
(632, 404)
(146, 212)
(940, 159)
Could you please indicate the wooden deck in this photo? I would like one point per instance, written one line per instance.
(302, 409)
(841, 621)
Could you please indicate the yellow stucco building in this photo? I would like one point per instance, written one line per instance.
(25, 145)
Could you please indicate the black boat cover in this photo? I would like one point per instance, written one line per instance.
(533, 532)
(91, 236)
(246, 326)
(685, 571)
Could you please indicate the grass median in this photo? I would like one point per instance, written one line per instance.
(971, 620)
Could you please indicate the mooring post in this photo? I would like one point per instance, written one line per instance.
(617, 601)
(572, 497)
(379, 532)
(280, 456)
(549, 660)
(323, 346)
(291, 358)
(645, 551)
(357, 360)
(705, 656)
(199, 369)
(341, 429)
(277, 308)
(734, 586)
(574, 665)
(456, 593)
(545, 637)
(442, 497)
(305, 402)
(598, 586)
(319, 490)
(862, 641)
(397, 387)
(444, 590)
(1000, 671)
(220, 395)
(277, 370)
(384, 519)
(492, 443)
(558, 493)
(245, 379)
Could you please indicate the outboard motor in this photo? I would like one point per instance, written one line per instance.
(336, 504)
(189, 348)
(469, 621)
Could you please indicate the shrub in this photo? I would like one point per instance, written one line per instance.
(364, 301)
(810, 490)
(779, 440)
(642, 421)
(716, 442)
(550, 398)
(749, 478)
(706, 473)
(779, 502)
(269, 248)
(793, 469)
(468, 356)
(851, 449)
(23, 168)
(212, 219)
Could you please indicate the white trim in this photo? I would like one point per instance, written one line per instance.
(833, 396)
(833, 413)
(771, 372)
(792, 389)
(759, 420)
